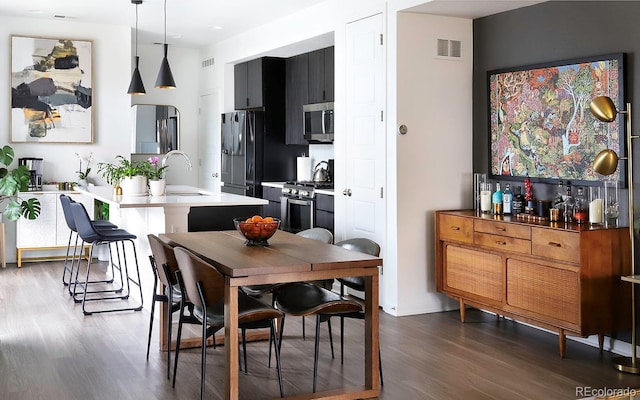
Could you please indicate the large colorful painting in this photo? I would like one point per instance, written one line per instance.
(540, 123)
(51, 90)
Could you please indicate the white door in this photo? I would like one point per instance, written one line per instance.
(365, 134)
(209, 142)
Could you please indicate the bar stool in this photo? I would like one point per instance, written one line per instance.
(118, 237)
(66, 201)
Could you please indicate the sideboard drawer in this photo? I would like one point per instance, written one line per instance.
(503, 243)
(556, 244)
(458, 229)
(503, 229)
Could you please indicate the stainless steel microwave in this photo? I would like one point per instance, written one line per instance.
(318, 122)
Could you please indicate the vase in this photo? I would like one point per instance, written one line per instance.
(83, 183)
(134, 186)
(157, 187)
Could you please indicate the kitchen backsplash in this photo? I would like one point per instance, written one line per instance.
(320, 152)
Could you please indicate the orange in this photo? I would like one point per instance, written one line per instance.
(256, 218)
(268, 219)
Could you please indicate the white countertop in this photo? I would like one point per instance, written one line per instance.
(177, 196)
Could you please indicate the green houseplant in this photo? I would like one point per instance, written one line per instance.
(123, 172)
(12, 181)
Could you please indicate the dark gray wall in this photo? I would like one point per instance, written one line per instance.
(552, 31)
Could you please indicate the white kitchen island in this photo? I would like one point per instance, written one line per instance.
(164, 214)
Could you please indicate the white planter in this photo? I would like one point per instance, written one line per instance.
(134, 186)
(157, 187)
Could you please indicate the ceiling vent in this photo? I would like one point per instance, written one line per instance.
(449, 49)
(208, 62)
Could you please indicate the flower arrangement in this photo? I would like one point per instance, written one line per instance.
(84, 174)
(155, 172)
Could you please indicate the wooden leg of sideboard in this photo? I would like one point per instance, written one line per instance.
(601, 341)
(462, 309)
(562, 339)
(19, 258)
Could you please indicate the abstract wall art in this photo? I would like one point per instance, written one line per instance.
(540, 125)
(51, 90)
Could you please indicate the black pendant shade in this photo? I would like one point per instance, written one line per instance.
(136, 86)
(165, 77)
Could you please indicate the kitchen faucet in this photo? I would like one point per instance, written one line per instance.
(173, 152)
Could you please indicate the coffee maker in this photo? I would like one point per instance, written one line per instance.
(34, 165)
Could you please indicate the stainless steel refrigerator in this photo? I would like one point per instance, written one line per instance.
(254, 150)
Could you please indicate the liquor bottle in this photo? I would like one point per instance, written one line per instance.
(530, 203)
(568, 204)
(580, 207)
(517, 205)
(507, 200)
(496, 200)
(557, 199)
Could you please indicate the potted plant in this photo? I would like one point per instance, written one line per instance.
(12, 181)
(130, 176)
(157, 183)
(84, 174)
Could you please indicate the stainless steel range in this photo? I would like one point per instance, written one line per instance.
(297, 204)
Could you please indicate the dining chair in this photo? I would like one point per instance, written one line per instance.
(203, 285)
(164, 266)
(367, 246)
(304, 299)
(69, 261)
(320, 234)
(119, 238)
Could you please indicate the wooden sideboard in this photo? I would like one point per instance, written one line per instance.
(565, 278)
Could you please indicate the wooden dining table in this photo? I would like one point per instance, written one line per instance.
(288, 258)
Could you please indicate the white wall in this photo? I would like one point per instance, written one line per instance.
(185, 66)
(434, 159)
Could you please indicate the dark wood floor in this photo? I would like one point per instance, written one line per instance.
(49, 350)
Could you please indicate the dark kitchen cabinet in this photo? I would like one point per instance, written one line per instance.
(321, 75)
(257, 81)
(273, 195)
(297, 94)
(324, 211)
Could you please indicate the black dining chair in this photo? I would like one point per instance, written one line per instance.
(164, 266)
(367, 246)
(320, 234)
(305, 299)
(203, 285)
(118, 238)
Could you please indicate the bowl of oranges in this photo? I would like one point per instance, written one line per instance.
(257, 229)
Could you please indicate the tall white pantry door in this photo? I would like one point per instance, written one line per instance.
(365, 135)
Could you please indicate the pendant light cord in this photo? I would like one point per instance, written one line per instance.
(136, 29)
(165, 21)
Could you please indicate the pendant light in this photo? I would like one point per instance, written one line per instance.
(165, 77)
(136, 86)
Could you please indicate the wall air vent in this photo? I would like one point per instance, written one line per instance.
(449, 49)
(208, 62)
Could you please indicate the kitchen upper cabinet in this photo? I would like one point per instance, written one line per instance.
(257, 81)
(321, 75)
(297, 94)
(309, 79)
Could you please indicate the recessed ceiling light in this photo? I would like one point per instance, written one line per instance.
(36, 11)
(215, 27)
(175, 36)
